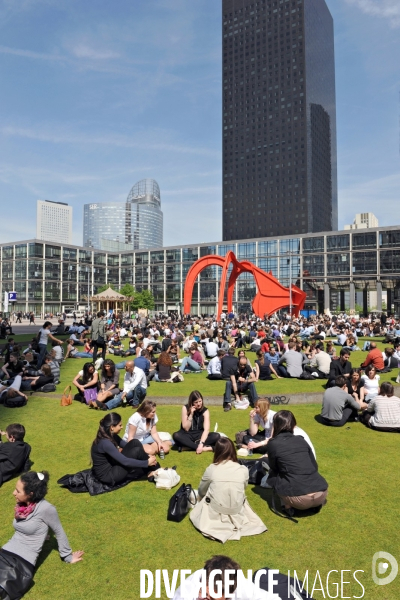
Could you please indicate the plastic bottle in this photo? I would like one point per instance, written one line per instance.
(162, 454)
(250, 450)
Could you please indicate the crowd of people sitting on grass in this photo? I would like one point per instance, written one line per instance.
(159, 350)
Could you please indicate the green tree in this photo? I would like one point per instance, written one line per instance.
(128, 290)
(143, 299)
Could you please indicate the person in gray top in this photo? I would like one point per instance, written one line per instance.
(98, 334)
(33, 518)
(294, 362)
(338, 406)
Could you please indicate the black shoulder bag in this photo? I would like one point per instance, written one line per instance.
(179, 503)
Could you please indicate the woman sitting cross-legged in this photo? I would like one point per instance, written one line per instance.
(264, 368)
(109, 382)
(260, 416)
(223, 512)
(293, 468)
(383, 412)
(142, 426)
(115, 460)
(33, 518)
(87, 379)
(195, 426)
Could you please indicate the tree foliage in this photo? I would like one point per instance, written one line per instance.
(144, 299)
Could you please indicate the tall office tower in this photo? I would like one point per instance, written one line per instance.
(279, 118)
(132, 225)
(54, 222)
(363, 221)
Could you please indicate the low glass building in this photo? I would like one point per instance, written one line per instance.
(330, 267)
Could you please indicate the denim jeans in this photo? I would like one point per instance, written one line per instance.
(134, 398)
(42, 354)
(121, 365)
(83, 355)
(190, 364)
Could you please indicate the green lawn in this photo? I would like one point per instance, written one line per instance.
(126, 530)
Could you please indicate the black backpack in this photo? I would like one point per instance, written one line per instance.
(15, 402)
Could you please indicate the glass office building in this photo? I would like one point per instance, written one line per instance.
(330, 267)
(131, 225)
(279, 118)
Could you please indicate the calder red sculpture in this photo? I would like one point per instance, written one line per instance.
(271, 295)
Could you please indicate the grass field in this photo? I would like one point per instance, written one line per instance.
(126, 530)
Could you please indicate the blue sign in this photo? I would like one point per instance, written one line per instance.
(12, 296)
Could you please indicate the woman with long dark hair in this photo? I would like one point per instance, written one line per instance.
(195, 426)
(109, 382)
(86, 379)
(33, 518)
(294, 470)
(223, 512)
(114, 460)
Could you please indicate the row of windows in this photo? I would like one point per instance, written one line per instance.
(311, 245)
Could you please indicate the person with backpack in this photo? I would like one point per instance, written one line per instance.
(14, 453)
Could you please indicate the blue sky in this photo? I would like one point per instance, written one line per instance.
(97, 95)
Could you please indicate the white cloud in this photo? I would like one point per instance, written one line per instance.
(85, 51)
(388, 9)
(62, 137)
(31, 54)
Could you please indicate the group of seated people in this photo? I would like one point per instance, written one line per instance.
(222, 512)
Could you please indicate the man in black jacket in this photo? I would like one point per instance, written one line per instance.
(14, 454)
(340, 367)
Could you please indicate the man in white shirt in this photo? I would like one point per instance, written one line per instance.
(214, 366)
(211, 349)
(135, 388)
(237, 590)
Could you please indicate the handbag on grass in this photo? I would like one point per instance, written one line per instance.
(90, 395)
(66, 398)
(180, 502)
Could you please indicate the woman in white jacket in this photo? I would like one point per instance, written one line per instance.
(223, 512)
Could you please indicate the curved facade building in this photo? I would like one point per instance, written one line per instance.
(144, 220)
(132, 225)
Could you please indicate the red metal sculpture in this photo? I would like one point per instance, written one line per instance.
(271, 295)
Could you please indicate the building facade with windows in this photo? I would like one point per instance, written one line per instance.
(131, 225)
(54, 221)
(333, 268)
(279, 118)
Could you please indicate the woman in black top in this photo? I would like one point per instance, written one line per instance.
(195, 426)
(263, 368)
(293, 468)
(355, 384)
(112, 465)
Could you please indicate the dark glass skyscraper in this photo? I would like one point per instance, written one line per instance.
(279, 118)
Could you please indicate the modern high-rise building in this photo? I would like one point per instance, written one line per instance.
(132, 225)
(279, 118)
(54, 222)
